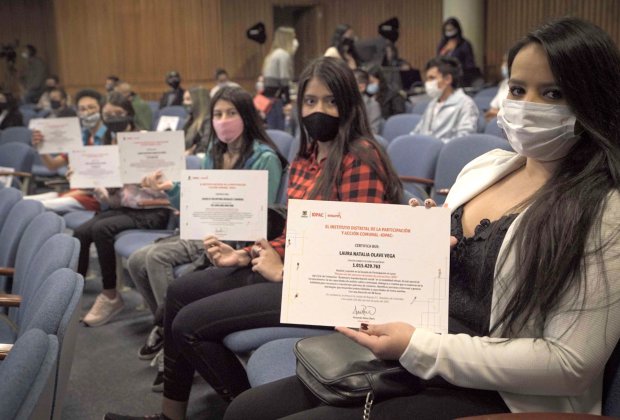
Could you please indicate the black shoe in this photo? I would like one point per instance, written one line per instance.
(154, 343)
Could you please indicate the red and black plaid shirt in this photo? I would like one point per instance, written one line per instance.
(359, 182)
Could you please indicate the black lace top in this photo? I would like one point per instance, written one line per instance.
(472, 267)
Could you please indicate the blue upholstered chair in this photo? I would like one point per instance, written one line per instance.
(282, 139)
(493, 129)
(400, 124)
(16, 135)
(8, 198)
(28, 373)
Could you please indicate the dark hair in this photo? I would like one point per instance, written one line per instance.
(447, 66)
(361, 76)
(11, 101)
(339, 32)
(384, 87)
(457, 25)
(115, 79)
(219, 72)
(354, 134)
(53, 76)
(88, 93)
(252, 127)
(566, 212)
(63, 93)
(32, 51)
(117, 99)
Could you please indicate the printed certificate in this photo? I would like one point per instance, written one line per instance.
(95, 166)
(167, 123)
(348, 263)
(230, 204)
(146, 152)
(61, 135)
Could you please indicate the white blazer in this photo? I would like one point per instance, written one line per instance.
(561, 372)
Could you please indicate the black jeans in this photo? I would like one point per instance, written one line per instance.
(290, 399)
(201, 309)
(102, 229)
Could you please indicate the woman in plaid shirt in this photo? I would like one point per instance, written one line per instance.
(338, 160)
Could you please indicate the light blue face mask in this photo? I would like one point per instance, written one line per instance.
(372, 88)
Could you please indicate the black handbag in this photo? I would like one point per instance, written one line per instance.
(341, 372)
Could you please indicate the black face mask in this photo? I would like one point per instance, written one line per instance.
(174, 82)
(321, 127)
(55, 104)
(118, 124)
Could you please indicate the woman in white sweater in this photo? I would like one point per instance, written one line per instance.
(535, 260)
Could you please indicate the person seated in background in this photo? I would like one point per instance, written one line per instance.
(221, 80)
(343, 45)
(373, 109)
(33, 76)
(93, 133)
(502, 92)
(59, 107)
(123, 213)
(175, 95)
(51, 82)
(144, 113)
(111, 82)
(534, 293)
(450, 113)
(388, 97)
(10, 116)
(196, 102)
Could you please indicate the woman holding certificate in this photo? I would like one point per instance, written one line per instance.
(338, 160)
(534, 290)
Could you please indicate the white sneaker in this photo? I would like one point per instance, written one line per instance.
(103, 310)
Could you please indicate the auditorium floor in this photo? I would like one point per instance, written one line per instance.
(107, 374)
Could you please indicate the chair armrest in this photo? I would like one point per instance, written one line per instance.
(16, 173)
(7, 271)
(443, 191)
(7, 300)
(56, 182)
(161, 202)
(4, 350)
(417, 179)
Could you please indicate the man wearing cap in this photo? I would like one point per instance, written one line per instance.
(175, 95)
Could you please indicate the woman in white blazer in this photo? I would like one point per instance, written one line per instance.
(533, 331)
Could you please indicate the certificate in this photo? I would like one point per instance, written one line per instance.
(230, 204)
(147, 152)
(348, 263)
(6, 180)
(167, 123)
(95, 166)
(61, 135)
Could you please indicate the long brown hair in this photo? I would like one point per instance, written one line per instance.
(354, 132)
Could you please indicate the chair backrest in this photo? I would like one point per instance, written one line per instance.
(420, 106)
(483, 102)
(489, 92)
(8, 198)
(192, 162)
(493, 129)
(611, 385)
(294, 149)
(282, 139)
(382, 141)
(458, 153)
(400, 124)
(28, 373)
(415, 155)
(16, 222)
(17, 155)
(171, 111)
(58, 251)
(16, 135)
(154, 105)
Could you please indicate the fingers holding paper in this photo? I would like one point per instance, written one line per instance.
(268, 262)
(223, 255)
(386, 341)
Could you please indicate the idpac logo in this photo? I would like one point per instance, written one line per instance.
(304, 213)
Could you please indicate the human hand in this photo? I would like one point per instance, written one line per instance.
(386, 341)
(156, 181)
(268, 262)
(430, 203)
(37, 139)
(223, 255)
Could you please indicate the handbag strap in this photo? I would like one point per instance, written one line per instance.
(368, 405)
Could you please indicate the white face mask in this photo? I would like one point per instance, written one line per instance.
(295, 45)
(450, 34)
(432, 88)
(539, 131)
